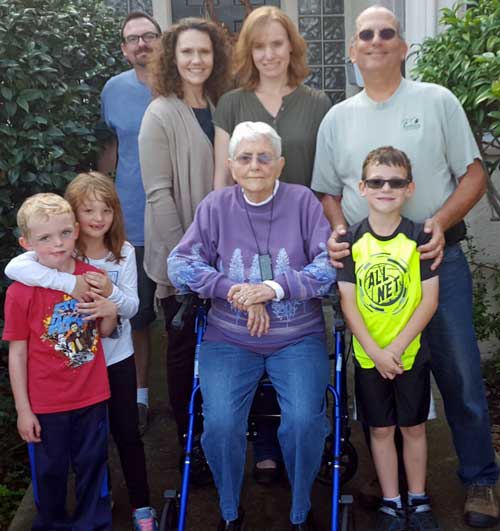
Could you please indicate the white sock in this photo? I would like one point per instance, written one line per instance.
(143, 396)
(396, 500)
(415, 496)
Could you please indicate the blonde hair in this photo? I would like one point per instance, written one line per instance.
(41, 206)
(243, 65)
(95, 185)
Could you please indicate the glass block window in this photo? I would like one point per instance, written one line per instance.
(124, 7)
(321, 23)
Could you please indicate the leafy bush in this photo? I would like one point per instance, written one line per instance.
(55, 56)
(466, 59)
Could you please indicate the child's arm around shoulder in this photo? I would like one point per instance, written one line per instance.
(102, 309)
(25, 268)
(27, 423)
(124, 293)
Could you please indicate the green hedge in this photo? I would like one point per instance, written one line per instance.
(55, 56)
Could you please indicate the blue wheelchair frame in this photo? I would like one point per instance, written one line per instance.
(341, 505)
(174, 513)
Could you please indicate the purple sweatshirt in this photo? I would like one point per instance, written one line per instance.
(219, 250)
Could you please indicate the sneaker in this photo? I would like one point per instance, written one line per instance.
(143, 413)
(420, 516)
(390, 518)
(144, 519)
(481, 507)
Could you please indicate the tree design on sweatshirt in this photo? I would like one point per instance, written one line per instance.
(283, 310)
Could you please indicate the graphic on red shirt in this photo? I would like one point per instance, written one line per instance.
(70, 334)
(65, 363)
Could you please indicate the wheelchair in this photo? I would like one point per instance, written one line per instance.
(339, 461)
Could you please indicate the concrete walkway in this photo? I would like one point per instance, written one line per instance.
(266, 508)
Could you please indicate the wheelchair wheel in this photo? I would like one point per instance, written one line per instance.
(169, 515)
(348, 463)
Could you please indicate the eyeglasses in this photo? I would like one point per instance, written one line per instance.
(147, 38)
(262, 158)
(386, 34)
(394, 182)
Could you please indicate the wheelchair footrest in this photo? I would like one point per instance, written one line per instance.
(170, 494)
(346, 499)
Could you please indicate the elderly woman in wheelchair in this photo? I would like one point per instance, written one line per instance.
(258, 251)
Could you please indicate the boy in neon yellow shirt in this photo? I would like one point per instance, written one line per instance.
(388, 296)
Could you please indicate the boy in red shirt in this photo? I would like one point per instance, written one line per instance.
(58, 374)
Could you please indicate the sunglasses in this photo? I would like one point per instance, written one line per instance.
(386, 34)
(394, 182)
(262, 158)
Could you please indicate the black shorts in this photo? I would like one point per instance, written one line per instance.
(402, 402)
(146, 290)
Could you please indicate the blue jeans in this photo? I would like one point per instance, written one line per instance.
(455, 363)
(229, 376)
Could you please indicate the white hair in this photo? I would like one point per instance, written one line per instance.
(252, 131)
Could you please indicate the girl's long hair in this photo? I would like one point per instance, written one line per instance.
(95, 185)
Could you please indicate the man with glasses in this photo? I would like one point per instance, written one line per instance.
(124, 100)
(428, 123)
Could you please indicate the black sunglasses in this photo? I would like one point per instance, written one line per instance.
(394, 182)
(386, 34)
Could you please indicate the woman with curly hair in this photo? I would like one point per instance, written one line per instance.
(189, 74)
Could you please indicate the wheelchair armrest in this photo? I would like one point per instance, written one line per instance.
(333, 298)
(187, 302)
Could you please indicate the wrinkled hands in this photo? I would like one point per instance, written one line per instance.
(28, 427)
(251, 298)
(337, 250)
(434, 248)
(258, 320)
(242, 296)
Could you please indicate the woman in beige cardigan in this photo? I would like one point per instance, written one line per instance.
(189, 74)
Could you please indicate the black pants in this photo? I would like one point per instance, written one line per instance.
(180, 363)
(76, 438)
(123, 421)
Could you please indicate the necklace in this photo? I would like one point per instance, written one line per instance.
(265, 263)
